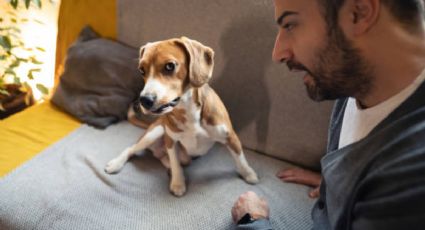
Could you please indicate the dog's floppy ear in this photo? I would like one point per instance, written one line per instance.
(141, 51)
(201, 61)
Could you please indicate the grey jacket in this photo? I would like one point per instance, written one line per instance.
(379, 181)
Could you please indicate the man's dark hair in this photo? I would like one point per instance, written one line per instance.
(409, 13)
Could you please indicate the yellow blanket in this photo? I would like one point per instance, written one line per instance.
(27, 133)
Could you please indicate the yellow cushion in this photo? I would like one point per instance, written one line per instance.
(25, 134)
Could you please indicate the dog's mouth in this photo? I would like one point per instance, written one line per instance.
(166, 107)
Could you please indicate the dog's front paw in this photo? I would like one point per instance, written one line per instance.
(178, 189)
(249, 175)
(114, 166)
(251, 178)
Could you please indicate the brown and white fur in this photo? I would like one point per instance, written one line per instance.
(192, 116)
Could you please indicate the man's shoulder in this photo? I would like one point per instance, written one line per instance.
(400, 162)
(393, 184)
(403, 139)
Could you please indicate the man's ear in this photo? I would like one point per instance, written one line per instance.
(201, 61)
(364, 15)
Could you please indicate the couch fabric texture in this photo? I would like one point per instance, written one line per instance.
(65, 187)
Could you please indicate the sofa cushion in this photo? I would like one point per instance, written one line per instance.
(100, 80)
(65, 187)
(268, 105)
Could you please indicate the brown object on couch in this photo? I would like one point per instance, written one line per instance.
(16, 101)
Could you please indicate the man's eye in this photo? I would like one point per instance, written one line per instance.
(288, 26)
(169, 67)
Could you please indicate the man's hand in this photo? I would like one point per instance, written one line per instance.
(250, 202)
(302, 176)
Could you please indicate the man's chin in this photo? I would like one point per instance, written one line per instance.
(314, 94)
(318, 94)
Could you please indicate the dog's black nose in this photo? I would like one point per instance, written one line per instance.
(147, 101)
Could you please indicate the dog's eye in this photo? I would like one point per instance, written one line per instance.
(169, 67)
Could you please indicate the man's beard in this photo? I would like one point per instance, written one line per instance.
(339, 71)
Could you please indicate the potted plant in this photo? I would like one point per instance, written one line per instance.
(15, 90)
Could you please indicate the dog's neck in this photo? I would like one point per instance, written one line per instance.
(191, 103)
(190, 98)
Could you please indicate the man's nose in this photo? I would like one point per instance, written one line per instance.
(147, 101)
(281, 50)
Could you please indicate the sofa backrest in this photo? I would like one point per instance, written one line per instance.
(268, 105)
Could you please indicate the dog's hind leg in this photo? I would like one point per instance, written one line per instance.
(154, 132)
(234, 146)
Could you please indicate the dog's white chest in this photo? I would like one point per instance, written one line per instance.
(195, 139)
(193, 136)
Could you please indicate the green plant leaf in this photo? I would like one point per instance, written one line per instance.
(22, 59)
(15, 64)
(42, 89)
(3, 57)
(5, 42)
(11, 13)
(35, 61)
(37, 2)
(14, 3)
(30, 75)
(10, 71)
(16, 80)
(26, 85)
(4, 92)
(15, 29)
(27, 3)
(38, 21)
(41, 49)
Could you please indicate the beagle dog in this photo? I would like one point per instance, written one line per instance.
(191, 116)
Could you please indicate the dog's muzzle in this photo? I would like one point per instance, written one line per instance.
(147, 102)
(165, 106)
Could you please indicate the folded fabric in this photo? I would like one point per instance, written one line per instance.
(100, 80)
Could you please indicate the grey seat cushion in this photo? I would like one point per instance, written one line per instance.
(65, 187)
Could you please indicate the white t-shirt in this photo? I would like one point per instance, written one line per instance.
(359, 122)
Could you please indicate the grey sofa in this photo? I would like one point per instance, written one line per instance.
(277, 123)
(268, 105)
